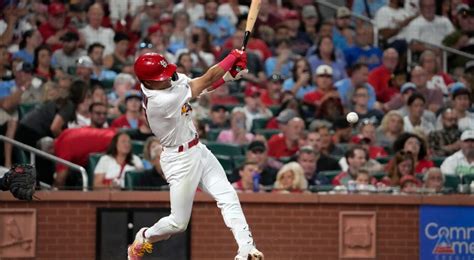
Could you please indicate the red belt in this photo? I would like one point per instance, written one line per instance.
(191, 143)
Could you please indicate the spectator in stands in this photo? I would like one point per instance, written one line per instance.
(30, 40)
(201, 49)
(95, 33)
(328, 148)
(237, 134)
(342, 33)
(325, 87)
(254, 108)
(153, 177)
(409, 184)
(402, 164)
(461, 162)
(111, 168)
(231, 10)
(119, 61)
(437, 79)
(249, 174)
(83, 116)
(462, 39)
(266, 18)
(194, 9)
(285, 144)
(184, 62)
(414, 121)
(445, 141)
(364, 51)
(360, 105)
(390, 128)
(308, 159)
(11, 15)
(218, 26)
(323, 162)
(85, 140)
(218, 117)
(5, 72)
(434, 97)
(96, 53)
(56, 26)
(356, 158)
(258, 152)
(67, 56)
(362, 177)
(331, 109)
(151, 144)
(22, 84)
(181, 31)
(291, 179)
(359, 78)
(282, 62)
(326, 54)
(428, 27)
(461, 103)
(413, 143)
(381, 78)
(367, 8)
(301, 81)
(392, 22)
(272, 94)
(148, 15)
(434, 180)
(43, 68)
(123, 83)
(84, 67)
(132, 116)
(367, 131)
(310, 22)
(342, 131)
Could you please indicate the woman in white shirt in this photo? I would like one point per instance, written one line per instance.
(111, 168)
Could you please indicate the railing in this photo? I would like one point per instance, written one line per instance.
(358, 16)
(444, 55)
(33, 152)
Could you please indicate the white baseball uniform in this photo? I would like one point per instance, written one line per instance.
(190, 166)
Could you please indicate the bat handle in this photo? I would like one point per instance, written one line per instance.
(246, 40)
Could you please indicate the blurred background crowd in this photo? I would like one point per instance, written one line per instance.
(67, 87)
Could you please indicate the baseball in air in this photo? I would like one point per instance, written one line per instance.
(352, 117)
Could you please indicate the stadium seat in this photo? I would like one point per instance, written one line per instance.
(133, 182)
(468, 178)
(383, 160)
(225, 149)
(452, 182)
(284, 160)
(274, 109)
(212, 134)
(379, 175)
(137, 147)
(329, 174)
(108, 84)
(438, 161)
(23, 109)
(320, 188)
(238, 160)
(227, 163)
(93, 160)
(268, 133)
(259, 123)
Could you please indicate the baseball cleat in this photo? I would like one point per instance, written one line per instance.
(255, 255)
(140, 246)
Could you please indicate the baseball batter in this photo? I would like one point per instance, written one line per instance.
(187, 164)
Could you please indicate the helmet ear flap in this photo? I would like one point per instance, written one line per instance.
(174, 77)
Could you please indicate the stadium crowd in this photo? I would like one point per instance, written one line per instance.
(67, 87)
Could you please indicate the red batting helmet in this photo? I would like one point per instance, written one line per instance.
(153, 66)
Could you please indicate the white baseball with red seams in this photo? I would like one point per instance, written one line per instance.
(169, 116)
(352, 117)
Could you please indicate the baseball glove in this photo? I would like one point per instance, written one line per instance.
(21, 181)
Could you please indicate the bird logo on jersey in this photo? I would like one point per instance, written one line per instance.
(186, 109)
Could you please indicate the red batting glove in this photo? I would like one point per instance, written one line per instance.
(239, 65)
(237, 53)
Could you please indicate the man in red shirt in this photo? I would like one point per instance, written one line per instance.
(272, 95)
(56, 26)
(286, 144)
(381, 77)
(75, 144)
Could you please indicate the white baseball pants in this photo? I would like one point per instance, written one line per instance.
(187, 170)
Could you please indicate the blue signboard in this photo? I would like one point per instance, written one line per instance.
(446, 233)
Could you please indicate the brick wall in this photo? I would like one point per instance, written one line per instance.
(300, 228)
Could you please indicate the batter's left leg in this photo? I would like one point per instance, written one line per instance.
(214, 181)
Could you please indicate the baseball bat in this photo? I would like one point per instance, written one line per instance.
(251, 18)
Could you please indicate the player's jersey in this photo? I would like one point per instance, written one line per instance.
(169, 113)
